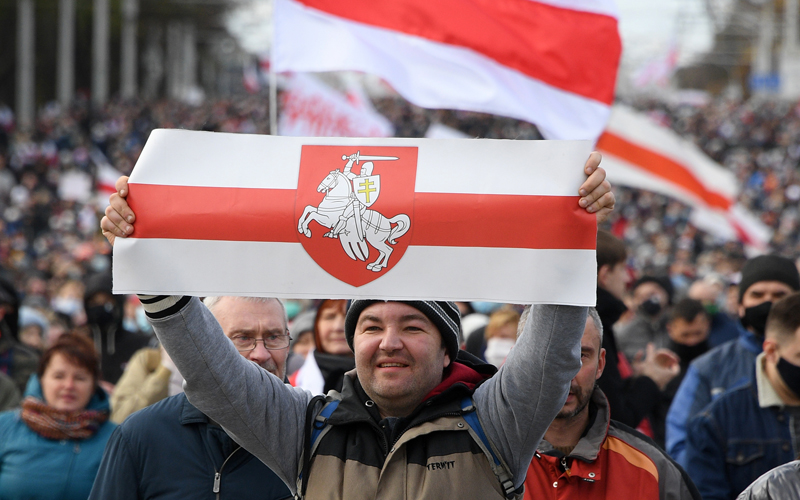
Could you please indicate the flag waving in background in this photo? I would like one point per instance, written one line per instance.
(357, 218)
(312, 109)
(639, 153)
(549, 62)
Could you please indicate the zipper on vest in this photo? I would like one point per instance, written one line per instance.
(218, 474)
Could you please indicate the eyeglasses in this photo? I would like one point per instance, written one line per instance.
(271, 342)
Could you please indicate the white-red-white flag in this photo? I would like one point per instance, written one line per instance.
(640, 153)
(312, 109)
(356, 218)
(550, 62)
(105, 177)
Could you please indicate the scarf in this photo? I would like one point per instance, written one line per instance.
(51, 423)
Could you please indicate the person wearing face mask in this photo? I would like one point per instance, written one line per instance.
(501, 335)
(687, 336)
(652, 296)
(765, 279)
(324, 368)
(752, 428)
(16, 360)
(104, 315)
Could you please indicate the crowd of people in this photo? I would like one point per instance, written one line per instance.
(669, 351)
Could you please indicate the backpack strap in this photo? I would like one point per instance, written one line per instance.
(313, 432)
(499, 468)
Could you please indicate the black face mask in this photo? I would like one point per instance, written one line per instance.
(687, 353)
(790, 373)
(101, 315)
(755, 317)
(650, 307)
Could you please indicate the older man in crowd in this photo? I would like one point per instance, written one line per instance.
(171, 450)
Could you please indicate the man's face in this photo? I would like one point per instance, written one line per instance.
(240, 317)
(399, 356)
(763, 291)
(689, 333)
(774, 350)
(593, 360)
(707, 293)
(648, 290)
(615, 279)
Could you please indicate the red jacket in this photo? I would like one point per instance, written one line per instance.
(611, 461)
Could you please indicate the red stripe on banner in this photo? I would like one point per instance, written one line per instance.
(573, 50)
(502, 221)
(209, 213)
(469, 220)
(661, 166)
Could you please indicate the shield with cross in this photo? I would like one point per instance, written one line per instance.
(366, 189)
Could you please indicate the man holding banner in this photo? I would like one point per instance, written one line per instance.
(417, 418)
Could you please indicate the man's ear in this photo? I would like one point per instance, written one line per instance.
(602, 274)
(447, 360)
(601, 364)
(771, 350)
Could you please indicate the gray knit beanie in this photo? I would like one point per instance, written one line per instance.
(768, 268)
(445, 315)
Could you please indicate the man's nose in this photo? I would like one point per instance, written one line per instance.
(391, 340)
(259, 353)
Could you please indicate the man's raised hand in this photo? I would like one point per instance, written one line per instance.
(119, 217)
(595, 192)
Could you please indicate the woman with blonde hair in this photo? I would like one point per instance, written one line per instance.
(501, 334)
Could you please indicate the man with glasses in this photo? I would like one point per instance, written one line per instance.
(171, 450)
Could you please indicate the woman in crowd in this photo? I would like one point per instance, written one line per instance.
(501, 335)
(51, 447)
(332, 358)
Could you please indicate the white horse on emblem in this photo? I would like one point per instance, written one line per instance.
(377, 229)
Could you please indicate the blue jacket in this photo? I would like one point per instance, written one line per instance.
(34, 467)
(170, 451)
(734, 441)
(707, 378)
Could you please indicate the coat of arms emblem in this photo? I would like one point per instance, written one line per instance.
(366, 203)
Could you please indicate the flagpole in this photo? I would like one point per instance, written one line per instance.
(273, 82)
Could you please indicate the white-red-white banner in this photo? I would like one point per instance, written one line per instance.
(639, 153)
(312, 109)
(550, 62)
(354, 218)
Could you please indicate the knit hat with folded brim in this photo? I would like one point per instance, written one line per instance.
(445, 315)
(768, 268)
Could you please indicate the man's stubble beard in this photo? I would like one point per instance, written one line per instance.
(583, 399)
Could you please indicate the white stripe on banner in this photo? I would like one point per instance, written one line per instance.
(204, 268)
